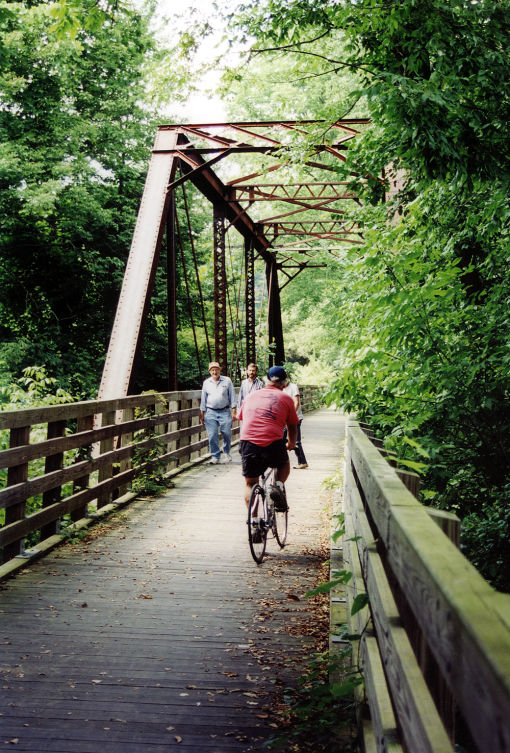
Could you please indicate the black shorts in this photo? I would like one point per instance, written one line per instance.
(256, 459)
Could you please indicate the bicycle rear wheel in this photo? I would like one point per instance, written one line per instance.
(257, 528)
(280, 527)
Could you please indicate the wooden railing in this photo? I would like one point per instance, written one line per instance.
(66, 464)
(435, 637)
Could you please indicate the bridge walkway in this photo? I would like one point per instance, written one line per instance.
(158, 629)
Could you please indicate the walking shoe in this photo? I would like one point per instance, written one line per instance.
(301, 465)
(214, 461)
(227, 458)
(277, 494)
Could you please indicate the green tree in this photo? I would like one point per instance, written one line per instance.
(419, 315)
(74, 138)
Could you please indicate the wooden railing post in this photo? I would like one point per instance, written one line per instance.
(195, 403)
(84, 423)
(173, 407)
(105, 472)
(410, 480)
(128, 414)
(185, 423)
(53, 462)
(15, 475)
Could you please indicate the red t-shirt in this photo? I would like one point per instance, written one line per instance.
(265, 413)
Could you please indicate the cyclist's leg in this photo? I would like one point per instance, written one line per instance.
(252, 466)
(283, 473)
(280, 462)
(250, 483)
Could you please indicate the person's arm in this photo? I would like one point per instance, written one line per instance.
(296, 401)
(240, 397)
(292, 425)
(233, 399)
(291, 436)
(203, 403)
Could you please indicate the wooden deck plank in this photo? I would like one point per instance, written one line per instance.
(164, 620)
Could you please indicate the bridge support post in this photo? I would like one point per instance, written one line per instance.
(274, 314)
(171, 276)
(220, 289)
(134, 300)
(249, 263)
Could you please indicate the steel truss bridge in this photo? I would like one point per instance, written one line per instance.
(312, 215)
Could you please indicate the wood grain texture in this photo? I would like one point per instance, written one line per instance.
(161, 627)
(459, 614)
(419, 722)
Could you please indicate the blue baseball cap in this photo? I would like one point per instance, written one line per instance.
(277, 375)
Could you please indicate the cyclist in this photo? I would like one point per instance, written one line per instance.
(264, 414)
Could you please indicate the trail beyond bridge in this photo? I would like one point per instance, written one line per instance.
(159, 630)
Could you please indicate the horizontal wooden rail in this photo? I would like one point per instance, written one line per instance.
(66, 462)
(435, 641)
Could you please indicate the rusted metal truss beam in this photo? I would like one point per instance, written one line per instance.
(252, 149)
(314, 229)
(195, 149)
(310, 226)
(345, 124)
(249, 264)
(209, 184)
(134, 299)
(171, 280)
(325, 206)
(287, 264)
(309, 192)
(220, 289)
(274, 315)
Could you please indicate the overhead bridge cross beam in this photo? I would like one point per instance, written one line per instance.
(187, 153)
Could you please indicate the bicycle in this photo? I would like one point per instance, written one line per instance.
(263, 518)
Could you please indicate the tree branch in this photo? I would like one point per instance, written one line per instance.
(293, 44)
(341, 63)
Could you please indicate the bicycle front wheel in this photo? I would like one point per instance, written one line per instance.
(280, 527)
(257, 526)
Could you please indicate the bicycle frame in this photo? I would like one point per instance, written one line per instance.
(262, 509)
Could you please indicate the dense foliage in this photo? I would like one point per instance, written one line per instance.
(419, 317)
(73, 149)
(412, 331)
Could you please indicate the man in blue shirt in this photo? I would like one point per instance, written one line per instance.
(217, 406)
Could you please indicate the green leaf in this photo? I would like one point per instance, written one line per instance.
(327, 586)
(360, 601)
(415, 465)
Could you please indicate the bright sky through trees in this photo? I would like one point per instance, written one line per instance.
(204, 105)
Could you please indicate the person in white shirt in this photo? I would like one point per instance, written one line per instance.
(293, 390)
(217, 408)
